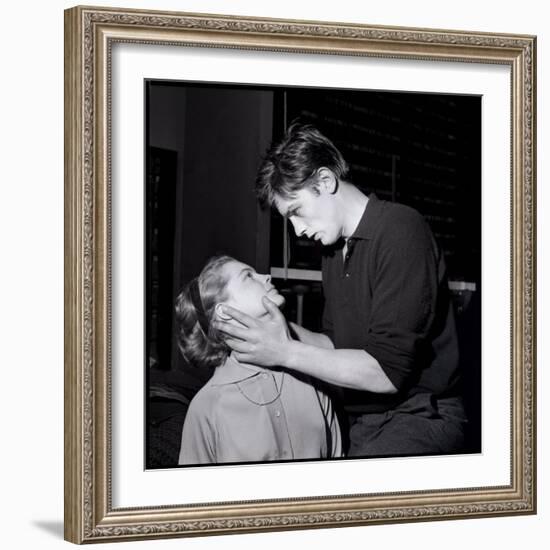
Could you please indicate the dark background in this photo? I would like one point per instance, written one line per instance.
(204, 144)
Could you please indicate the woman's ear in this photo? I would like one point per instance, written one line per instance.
(218, 310)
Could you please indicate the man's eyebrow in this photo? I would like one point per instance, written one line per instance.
(292, 207)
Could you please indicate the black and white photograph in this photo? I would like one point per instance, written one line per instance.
(313, 274)
(299, 274)
(273, 275)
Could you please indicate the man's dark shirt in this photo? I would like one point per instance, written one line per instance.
(390, 297)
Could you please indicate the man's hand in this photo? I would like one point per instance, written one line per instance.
(257, 341)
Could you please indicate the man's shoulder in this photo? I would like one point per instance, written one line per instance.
(400, 220)
(393, 212)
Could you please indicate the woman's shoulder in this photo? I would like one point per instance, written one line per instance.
(205, 399)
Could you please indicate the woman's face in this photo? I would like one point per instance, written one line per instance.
(245, 289)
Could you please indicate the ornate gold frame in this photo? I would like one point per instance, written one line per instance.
(89, 34)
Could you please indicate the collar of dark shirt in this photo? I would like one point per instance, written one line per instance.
(232, 372)
(370, 218)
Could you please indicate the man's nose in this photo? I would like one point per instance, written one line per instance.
(299, 228)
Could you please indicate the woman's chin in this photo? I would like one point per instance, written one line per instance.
(276, 298)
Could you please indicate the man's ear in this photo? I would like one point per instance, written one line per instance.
(326, 180)
(218, 311)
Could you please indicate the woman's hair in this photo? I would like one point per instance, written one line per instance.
(204, 348)
(292, 163)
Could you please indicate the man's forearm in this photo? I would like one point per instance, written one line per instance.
(347, 368)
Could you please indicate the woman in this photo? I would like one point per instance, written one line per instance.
(245, 413)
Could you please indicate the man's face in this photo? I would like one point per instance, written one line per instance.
(246, 288)
(314, 215)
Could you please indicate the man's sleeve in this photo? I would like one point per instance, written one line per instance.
(404, 297)
(198, 436)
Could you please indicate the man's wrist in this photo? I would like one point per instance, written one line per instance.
(291, 351)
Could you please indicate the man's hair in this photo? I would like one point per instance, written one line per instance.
(200, 348)
(293, 162)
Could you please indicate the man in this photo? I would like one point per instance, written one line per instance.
(389, 339)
